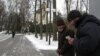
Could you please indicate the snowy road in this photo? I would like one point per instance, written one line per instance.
(21, 46)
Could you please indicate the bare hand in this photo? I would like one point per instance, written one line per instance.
(70, 40)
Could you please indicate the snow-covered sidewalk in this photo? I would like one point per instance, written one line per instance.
(42, 44)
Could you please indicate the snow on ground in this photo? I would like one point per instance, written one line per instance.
(42, 44)
(2, 32)
(4, 36)
(19, 34)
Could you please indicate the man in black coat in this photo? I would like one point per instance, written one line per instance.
(87, 41)
(13, 33)
(64, 48)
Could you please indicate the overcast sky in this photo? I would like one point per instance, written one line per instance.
(61, 6)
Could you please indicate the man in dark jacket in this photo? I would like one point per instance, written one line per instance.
(13, 33)
(87, 41)
(64, 48)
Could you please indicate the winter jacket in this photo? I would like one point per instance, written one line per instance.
(63, 46)
(88, 36)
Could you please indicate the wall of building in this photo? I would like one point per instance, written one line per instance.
(94, 7)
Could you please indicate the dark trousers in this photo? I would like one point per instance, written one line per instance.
(13, 34)
(71, 52)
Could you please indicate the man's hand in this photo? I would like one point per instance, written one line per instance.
(58, 51)
(70, 40)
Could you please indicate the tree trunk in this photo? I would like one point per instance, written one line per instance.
(67, 7)
(47, 23)
(35, 20)
(50, 24)
(87, 9)
(77, 5)
(85, 4)
(41, 20)
(54, 21)
(80, 5)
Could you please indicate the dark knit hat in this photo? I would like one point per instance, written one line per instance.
(73, 14)
(60, 22)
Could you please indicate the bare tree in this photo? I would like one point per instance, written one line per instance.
(35, 19)
(11, 9)
(17, 4)
(81, 5)
(50, 24)
(77, 4)
(24, 7)
(85, 3)
(2, 14)
(41, 30)
(67, 6)
(54, 21)
(47, 22)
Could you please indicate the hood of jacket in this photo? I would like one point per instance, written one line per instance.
(87, 18)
